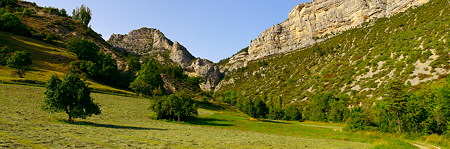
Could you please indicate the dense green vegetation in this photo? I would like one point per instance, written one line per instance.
(153, 75)
(363, 77)
(348, 78)
(424, 113)
(177, 106)
(96, 64)
(70, 95)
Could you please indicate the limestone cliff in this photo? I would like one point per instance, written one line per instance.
(147, 42)
(315, 21)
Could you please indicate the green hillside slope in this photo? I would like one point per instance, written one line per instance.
(411, 47)
(47, 59)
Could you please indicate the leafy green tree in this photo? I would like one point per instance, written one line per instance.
(9, 22)
(319, 106)
(276, 109)
(19, 60)
(70, 95)
(255, 108)
(4, 3)
(63, 12)
(176, 106)
(260, 108)
(5, 53)
(396, 102)
(338, 109)
(133, 63)
(292, 112)
(83, 48)
(229, 97)
(358, 120)
(148, 80)
(82, 14)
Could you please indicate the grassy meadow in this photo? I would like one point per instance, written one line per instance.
(126, 122)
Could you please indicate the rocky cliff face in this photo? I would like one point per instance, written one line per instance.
(151, 42)
(313, 22)
(146, 42)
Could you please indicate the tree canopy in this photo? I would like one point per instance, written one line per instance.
(176, 106)
(83, 48)
(83, 14)
(70, 95)
(19, 60)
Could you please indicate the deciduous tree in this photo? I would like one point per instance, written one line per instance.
(70, 95)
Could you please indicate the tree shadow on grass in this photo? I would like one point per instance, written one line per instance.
(210, 106)
(208, 122)
(83, 123)
(273, 121)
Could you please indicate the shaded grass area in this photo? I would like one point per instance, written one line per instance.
(125, 123)
(86, 123)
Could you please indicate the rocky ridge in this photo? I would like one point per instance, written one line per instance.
(314, 22)
(147, 42)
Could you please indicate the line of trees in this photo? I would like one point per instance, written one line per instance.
(400, 111)
(261, 107)
(403, 111)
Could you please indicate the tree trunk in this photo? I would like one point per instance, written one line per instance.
(20, 72)
(70, 119)
(399, 123)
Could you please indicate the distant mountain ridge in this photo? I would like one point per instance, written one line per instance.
(313, 22)
(152, 43)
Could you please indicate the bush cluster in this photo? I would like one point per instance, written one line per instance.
(177, 106)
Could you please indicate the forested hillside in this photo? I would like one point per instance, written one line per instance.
(411, 47)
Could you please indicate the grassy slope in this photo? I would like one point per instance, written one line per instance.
(125, 123)
(389, 49)
(47, 60)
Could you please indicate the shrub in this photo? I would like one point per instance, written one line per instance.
(176, 106)
(27, 12)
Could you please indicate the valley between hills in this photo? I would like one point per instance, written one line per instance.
(335, 74)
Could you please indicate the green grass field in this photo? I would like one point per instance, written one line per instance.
(125, 123)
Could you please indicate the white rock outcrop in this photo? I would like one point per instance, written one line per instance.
(313, 22)
(153, 43)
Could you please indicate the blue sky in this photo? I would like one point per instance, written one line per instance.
(211, 29)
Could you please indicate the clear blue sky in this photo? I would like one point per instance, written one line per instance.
(211, 29)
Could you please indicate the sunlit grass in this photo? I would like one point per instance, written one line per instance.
(125, 123)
